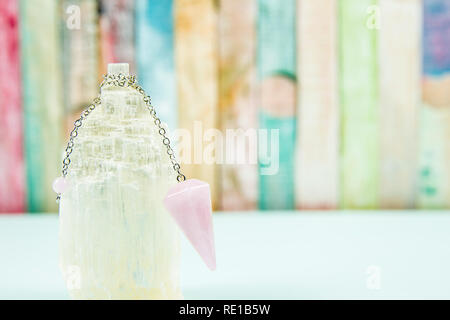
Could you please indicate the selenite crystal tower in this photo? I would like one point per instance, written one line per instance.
(117, 240)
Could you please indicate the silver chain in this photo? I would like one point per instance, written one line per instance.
(120, 80)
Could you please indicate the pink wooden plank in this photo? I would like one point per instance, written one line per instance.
(12, 182)
(117, 33)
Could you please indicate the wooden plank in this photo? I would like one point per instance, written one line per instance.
(12, 182)
(399, 83)
(42, 100)
(358, 105)
(277, 81)
(237, 105)
(80, 57)
(155, 56)
(318, 115)
(117, 33)
(434, 154)
(196, 61)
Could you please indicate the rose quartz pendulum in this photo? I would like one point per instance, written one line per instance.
(189, 203)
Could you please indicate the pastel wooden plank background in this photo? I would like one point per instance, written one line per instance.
(363, 127)
(276, 61)
(434, 156)
(316, 165)
(42, 100)
(12, 181)
(196, 63)
(117, 33)
(155, 56)
(80, 57)
(399, 89)
(237, 105)
(358, 104)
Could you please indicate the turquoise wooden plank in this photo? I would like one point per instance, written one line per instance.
(277, 190)
(276, 64)
(42, 100)
(155, 56)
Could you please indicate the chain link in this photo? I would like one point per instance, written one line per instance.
(121, 80)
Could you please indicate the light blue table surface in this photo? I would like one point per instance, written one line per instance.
(278, 255)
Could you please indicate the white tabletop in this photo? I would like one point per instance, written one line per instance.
(277, 255)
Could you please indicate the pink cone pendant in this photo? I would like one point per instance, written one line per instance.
(189, 203)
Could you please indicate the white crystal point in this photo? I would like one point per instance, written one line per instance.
(116, 239)
(117, 68)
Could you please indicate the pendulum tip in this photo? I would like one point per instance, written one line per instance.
(189, 203)
(211, 265)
